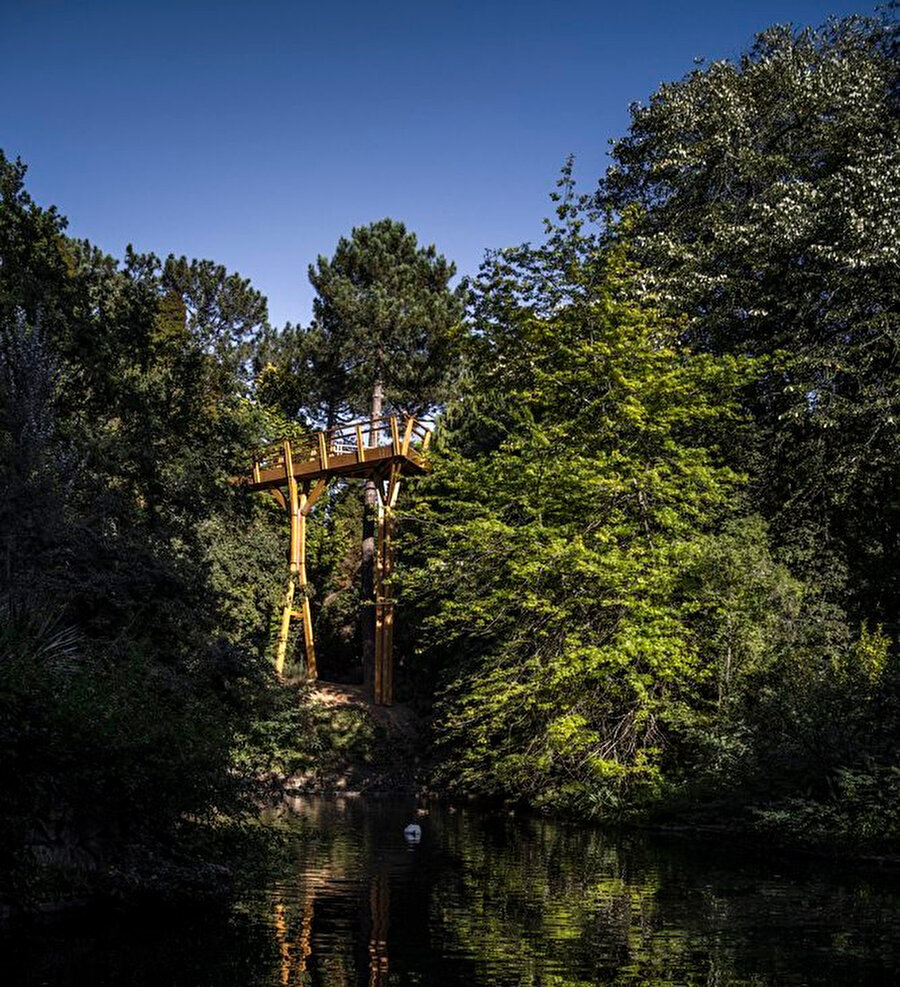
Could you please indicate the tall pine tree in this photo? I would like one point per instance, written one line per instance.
(387, 328)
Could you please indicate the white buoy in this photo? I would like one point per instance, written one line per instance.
(412, 833)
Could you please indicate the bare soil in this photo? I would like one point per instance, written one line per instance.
(392, 765)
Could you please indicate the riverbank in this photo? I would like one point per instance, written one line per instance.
(331, 739)
(343, 744)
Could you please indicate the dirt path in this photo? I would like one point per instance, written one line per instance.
(397, 720)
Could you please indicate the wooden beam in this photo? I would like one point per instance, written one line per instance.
(407, 435)
(394, 487)
(305, 609)
(360, 448)
(294, 556)
(285, 630)
(395, 436)
(316, 493)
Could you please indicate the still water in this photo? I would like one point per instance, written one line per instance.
(490, 899)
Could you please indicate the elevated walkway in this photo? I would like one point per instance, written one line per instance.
(297, 470)
(362, 450)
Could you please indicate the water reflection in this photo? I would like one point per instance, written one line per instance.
(487, 899)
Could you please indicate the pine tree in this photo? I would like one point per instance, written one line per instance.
(386, 327)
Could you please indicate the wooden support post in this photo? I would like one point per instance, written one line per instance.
(395, 436)
(394, 486)
(323, 452)
(384, 596)
(288, 606)
(379, 613)
(298, 507)
(407, 435)
(387, 611)
(360, 447)
(305, 607)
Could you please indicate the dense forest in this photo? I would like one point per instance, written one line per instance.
(653, 575)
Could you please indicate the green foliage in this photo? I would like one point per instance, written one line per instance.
(120, 421)
(860, 816)
(297, 738)
(384, 314)
(223, 313)
(762, 197)
(108, 760)
(552, 560)
(765, 198)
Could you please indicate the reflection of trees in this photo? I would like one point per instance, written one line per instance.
(539, 903)
(557, 905)
(489, 900)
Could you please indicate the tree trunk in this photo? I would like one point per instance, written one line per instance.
(370, 518)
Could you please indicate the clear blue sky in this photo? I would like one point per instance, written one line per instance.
(257, 133)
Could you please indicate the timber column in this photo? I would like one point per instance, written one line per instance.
(298, 504)
(384, 591)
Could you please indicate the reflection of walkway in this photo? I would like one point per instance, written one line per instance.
(294, 959)
(296, 952)
(379, 906)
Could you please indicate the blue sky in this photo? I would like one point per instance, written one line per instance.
(257, 133)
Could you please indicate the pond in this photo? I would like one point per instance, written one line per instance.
(490, 899)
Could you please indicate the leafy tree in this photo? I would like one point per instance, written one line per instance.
(553, 541)
(385, 310)
(223, 312)
(299, 372)
(33, 275)
(764, 196)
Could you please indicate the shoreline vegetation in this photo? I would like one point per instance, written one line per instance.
(653, 578)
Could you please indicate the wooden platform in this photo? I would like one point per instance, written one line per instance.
(296, 472)
(363, 451)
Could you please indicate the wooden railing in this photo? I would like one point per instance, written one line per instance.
(403, 434)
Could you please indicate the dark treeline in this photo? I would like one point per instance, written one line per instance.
(129, 657)
(653, 574)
